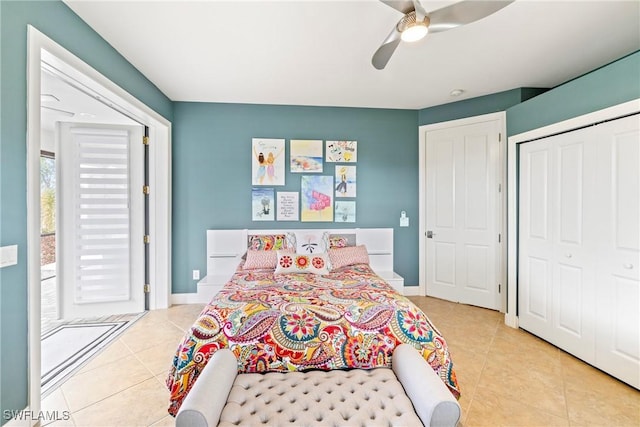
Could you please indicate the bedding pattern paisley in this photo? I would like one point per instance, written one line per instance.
(350, 318)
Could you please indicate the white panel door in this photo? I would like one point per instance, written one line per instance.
(536, 243)
(618, 276)
(463, 214)
(100, 220)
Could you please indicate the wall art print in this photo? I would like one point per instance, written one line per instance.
(288, 206)
(316, 198)
(345, 211)
(305, 156)
(341, 151)
(267, 167)
(345, 183)
(262, 204)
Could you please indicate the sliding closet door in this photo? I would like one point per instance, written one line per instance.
(618, 279)
(579, 244)
(557, 273)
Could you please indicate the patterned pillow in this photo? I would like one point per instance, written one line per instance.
(308, 242)
(341, 257)
(289, 262)
(260, 259)
(338, 240)
(267, 242)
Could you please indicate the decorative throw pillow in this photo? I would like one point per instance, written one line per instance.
(338, 240)
(267, 242)
(308, 242)
(289, 262)
(260, 259)
(341, 257)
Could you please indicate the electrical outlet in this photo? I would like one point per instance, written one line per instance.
(196, 274)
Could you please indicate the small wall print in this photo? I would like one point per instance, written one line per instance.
(262, 204)
(341, 151)
(288, 206)
(345, 184)
(267, 167)
(305, 156)
(317, 198)
(345, 211)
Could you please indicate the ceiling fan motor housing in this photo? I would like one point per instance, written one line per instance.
(409, 20)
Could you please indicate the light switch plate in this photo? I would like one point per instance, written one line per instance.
(404, 221)
(8, 255)
(196, 274)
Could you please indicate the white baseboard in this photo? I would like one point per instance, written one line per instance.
(411, 291)
(191, 298)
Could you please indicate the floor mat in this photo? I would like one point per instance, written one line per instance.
(68, 347)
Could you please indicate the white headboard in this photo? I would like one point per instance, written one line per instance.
(225, 248)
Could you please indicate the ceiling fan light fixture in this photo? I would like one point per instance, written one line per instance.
(414, 32)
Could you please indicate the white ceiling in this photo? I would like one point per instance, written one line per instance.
(309, 52)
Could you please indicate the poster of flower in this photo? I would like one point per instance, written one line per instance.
(316, 198)
(267, 167)
(262, 204)
(345, 211)
(342, 151)
(305, 156)
(288, 206)
(345, 183)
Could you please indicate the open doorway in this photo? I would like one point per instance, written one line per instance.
(92, 168)
(45, 55)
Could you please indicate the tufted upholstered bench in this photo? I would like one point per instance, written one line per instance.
(409, 394)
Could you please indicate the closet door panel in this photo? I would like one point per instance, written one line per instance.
(618, 350)
(536, 244)
(573, 267)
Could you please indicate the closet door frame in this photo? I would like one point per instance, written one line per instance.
(616, 111)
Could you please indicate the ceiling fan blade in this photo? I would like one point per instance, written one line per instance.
(462, 13)
(404, 6)
(420, 12)
(386, 49)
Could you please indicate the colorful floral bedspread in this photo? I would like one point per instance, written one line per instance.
(350, 318)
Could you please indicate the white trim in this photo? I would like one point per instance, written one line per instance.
(422, 173)
(190, 298)
(39, 48)
(411, 291)
(630, 107)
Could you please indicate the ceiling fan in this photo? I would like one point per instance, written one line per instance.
(416, 22)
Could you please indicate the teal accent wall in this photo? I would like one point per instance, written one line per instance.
(604, 87)
(476, 106)
(57, 21)
(212, 173)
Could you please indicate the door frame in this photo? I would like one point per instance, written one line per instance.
(422, 186)
(41, 48)
(623, 109)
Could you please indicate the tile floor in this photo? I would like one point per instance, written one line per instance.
(508, 377)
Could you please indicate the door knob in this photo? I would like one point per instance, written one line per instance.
(430, 234)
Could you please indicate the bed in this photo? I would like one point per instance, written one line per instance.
(280, 319)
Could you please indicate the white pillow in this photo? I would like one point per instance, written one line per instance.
(309, 242)
(289, 262)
